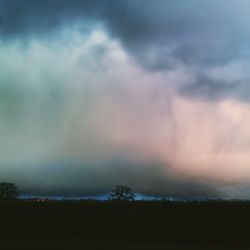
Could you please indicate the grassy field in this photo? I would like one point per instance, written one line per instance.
(125, 225)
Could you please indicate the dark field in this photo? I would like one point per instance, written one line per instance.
(125, 225)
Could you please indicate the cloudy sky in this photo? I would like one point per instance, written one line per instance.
(150, 94)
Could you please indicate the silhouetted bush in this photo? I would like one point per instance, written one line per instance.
(122, 193)
(8, 191)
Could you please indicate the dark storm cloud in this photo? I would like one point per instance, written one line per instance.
(159, 33)
(209, 88)
(93, 178)
(168, 31)
(23, 19)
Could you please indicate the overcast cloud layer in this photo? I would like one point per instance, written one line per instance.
(154, 95)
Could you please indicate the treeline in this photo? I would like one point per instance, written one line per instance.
(9, 191)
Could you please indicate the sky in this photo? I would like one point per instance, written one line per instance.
(154, 95)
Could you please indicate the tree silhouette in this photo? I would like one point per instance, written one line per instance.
(8, 191)
(122, 193)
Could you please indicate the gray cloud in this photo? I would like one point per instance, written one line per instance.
(22, 19)
(189, 32)
(209, 89)
(160, 34)
(167, 29)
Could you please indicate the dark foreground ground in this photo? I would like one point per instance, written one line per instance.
(132, 225)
